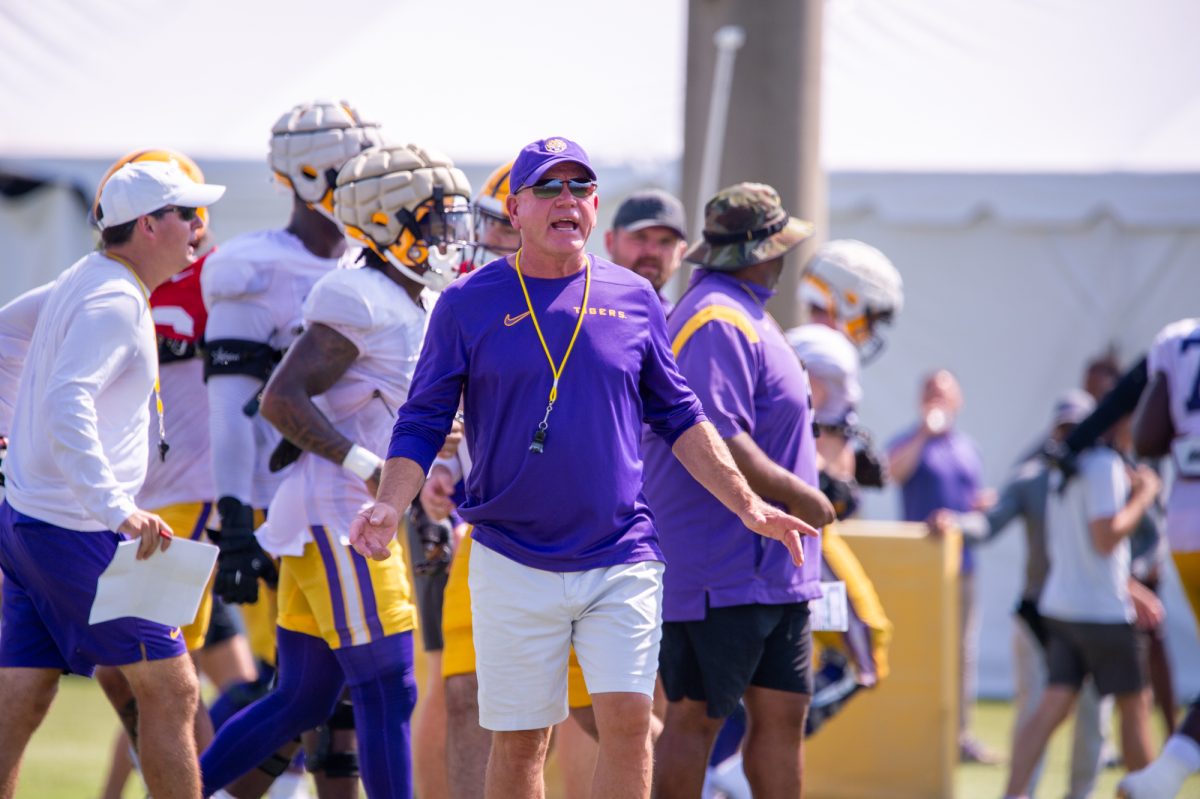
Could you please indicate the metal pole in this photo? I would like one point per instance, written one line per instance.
(728, 39)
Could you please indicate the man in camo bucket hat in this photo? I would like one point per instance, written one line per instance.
(735, 611)
(745, 224)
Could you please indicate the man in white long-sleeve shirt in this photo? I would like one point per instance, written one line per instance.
(77, 458)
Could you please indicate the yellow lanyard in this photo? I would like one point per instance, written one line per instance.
(539, 436)
(158, 403)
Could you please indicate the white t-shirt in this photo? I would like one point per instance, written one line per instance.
(1084, 585)
(387, 328)
(1176, 353)
(77, 454)
(254, 287)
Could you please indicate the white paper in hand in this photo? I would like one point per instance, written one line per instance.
(830, 613)
(166, 587)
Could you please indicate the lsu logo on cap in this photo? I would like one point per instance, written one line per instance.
(554, 145)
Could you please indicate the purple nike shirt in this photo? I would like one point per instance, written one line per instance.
(579, 504)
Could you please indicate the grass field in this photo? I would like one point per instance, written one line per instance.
(68, 755)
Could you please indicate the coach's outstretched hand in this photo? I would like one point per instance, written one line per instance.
(373, 529)
(771, 522)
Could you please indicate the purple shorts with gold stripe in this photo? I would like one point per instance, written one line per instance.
(50, 577)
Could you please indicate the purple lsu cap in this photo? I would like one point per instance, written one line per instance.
(537, 157)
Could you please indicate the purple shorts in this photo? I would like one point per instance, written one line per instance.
(50, 579)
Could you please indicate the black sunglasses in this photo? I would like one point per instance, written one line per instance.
(186, 213)
(551, 187)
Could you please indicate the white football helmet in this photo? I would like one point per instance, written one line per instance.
(310, 143)
(831, 360)
(858, 286)
(411, 207)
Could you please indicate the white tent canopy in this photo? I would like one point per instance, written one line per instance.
(1045, 85)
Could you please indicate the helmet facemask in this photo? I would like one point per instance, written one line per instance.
(487, 223)
(433, 245)
(410, 207)
(873, 345)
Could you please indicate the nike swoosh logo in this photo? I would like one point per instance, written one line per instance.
(176, 633)
(510, 320)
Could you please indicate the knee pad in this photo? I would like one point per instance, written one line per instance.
(322, 757)
(278, 762)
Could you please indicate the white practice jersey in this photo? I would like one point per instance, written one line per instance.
(254, 288)
(387, 328)
(186, 474)
(1176, 353)
(17, 320)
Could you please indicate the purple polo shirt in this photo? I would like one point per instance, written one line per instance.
(949, 475)
(577, 505)
(736, 359)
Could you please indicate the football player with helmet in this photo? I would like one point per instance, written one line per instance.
(1167, 422)
(852, 287)
(253, 288)
(494, 234)
(345, 620)
(851, 290)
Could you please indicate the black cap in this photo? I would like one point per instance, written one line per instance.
(651, 208)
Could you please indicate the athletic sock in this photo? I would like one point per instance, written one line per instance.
(1184, 749)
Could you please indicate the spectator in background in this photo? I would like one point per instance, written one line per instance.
(1025, 496)
(937, 466)
(1087, 605)
(1101, 374)
(1148, 543)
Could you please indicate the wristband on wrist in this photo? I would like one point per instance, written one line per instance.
(361, 462)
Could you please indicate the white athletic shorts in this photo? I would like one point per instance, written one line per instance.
(526, 620)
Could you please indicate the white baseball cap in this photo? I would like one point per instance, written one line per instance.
(142, 187)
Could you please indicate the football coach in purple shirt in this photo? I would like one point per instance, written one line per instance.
(735, 608)
(559, 357)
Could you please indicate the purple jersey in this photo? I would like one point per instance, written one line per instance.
(949, 475)
(577, 505)
(749, 379)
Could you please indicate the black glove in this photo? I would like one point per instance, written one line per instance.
(868, 468)
(284, 455)
(241, 560)
(433, 538)
(842, 494)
